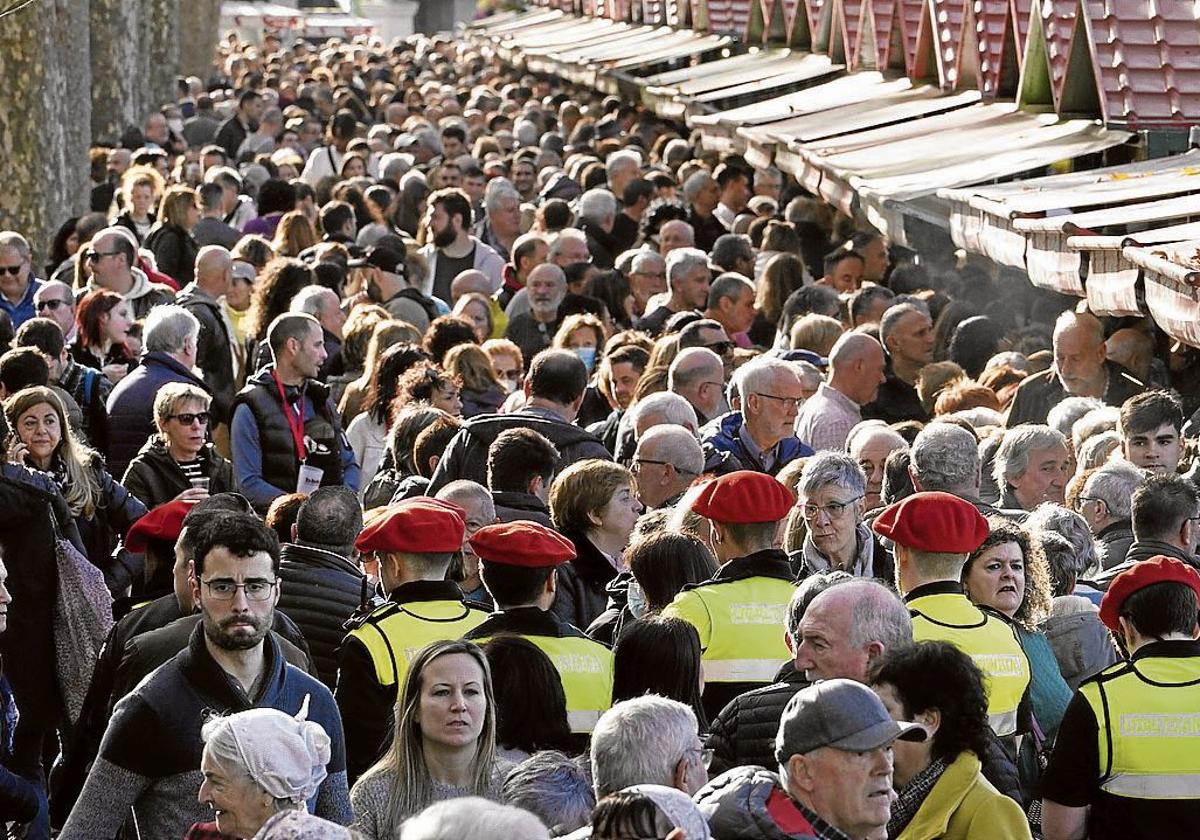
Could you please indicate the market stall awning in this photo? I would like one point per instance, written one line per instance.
(802, 70)
(758, 142)
(1172, 278)
(621, 75)
(1112, 280)
(883, 167)
(981, 218)
(1052, 265)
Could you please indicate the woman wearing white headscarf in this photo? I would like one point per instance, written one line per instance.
(261, 768)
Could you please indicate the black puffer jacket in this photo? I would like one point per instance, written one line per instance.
(744, 731)
(155, 478)
(608, 625)
(581, 595)
(116, 511)
(319, 590)
(749, 803)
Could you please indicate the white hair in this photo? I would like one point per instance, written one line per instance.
(168, 327)
(640, 741)
(623, 159)
(761, 372)
(311, 300)
(695, 182)
(673, 408)
(677, 445)
(683, 261)
(597, 205)
(473, 818)
(557, 244)
(640, 258)
(494, 195)
(1012, 458)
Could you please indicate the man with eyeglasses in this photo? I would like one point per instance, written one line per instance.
(112, 257)
(667, 460)
(738, 612)
(17, 283)
(711, 335)
(148, 769)
(1105, 505)
(1165, 511)
(54, 300)
(760, 436)
(856, 365)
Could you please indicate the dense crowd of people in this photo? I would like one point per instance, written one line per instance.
(403, 446)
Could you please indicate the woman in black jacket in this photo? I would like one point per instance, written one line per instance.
(41, 438)
(179, 462)
(171, 239)
(593, 504)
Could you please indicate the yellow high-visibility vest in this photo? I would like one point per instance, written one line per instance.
(1148, 714)
(988, 640)
(394, 633)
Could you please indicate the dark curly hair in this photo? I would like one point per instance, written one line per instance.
(446, 332)
(937, 675)
(660, 211)
(1035, 605)
(419, 383)
(393, 364)
(278, 283)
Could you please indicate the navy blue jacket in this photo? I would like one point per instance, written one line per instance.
(724, 451)
(131, 406)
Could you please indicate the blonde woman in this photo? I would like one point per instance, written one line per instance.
(171, 239)
(444, 746)
(40, 438)
(179, 462)
(141, 187)
(294, 235)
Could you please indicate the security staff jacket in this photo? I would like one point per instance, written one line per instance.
(1129, 746)
(739, 614)
(584, 665)
(373, 659)
(941, 612)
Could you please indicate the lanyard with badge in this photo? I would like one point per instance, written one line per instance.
(309, 477)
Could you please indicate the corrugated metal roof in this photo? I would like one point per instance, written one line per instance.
(1021, 9)
(993, 28)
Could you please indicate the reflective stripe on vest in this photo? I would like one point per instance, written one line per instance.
(992, 644)
(1148, 727)
(399, 633)
(735, 619)
(586, 670)
(741, 670)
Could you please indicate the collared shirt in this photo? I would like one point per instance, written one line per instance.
(765, 457)
(826, 418)
(24, 309)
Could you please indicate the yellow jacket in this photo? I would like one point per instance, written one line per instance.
(963, 805)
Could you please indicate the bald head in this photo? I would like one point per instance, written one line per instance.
(856, 365)
(214, 269)
(468, 282)
(848, 627)
(1132, 349)
(1079, 354)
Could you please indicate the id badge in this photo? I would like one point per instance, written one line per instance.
(309, 479)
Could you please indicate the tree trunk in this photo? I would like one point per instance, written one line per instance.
(44, 118)
(201, 20)
(160, 52)
(119, 84)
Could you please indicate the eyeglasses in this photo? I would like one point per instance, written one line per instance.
(96, 256)
(14, 270)
(721, 347)
(225, 590)
(189, 419)
(833, 510)
(788, 402)
(706, 754)
(1081, 500)
(50, 304)
(636, 466)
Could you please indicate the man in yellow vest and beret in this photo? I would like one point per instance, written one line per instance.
(517, 561)
(414, 542)
(739, 612)
(1126, 763)
(934, 533)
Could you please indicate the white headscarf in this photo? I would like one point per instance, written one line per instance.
(285, 756)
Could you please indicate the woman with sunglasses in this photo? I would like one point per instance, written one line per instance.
(41, 438)
(179, 462)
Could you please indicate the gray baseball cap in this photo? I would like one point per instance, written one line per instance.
(843, 714)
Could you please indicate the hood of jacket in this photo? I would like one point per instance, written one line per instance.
(748, 803)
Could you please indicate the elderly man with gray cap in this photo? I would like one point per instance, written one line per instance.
(835, 771)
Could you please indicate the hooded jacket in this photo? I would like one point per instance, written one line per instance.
(142, 296)
(486, 260)
(749, 803)
(724, 451)
(214, 350)
(466, 456)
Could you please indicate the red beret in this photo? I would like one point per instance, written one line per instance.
(936, 522)
(522, 543)
(419, 525)
(163, 523)
(742, 497)
(1158, 569)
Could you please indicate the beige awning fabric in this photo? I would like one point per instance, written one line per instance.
(981, 218)
(880, 168)
(751, 79)
(1112, 280)
(1172, 278)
